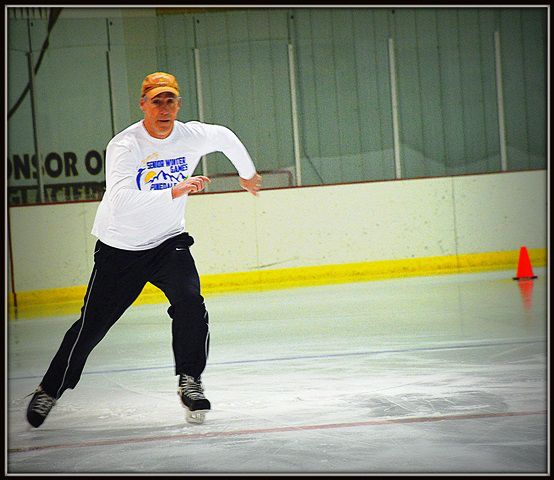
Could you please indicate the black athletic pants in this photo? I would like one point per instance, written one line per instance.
(117, 279)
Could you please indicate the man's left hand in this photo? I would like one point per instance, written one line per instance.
(252, 185)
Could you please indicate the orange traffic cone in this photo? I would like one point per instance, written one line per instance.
(524, 269)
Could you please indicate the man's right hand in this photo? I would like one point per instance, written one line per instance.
(190, 185)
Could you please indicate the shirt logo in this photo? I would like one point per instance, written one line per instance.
(162, 174)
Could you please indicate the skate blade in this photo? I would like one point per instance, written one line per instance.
(195, 416)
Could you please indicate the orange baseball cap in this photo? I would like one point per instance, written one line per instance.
(159, 82)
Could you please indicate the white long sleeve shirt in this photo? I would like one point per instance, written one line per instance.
(137, 210)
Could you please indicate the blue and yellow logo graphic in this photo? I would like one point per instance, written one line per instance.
(155, 176)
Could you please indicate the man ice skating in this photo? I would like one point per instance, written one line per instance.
(140, 226)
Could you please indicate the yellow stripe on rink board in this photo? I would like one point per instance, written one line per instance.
(60, 301)
(356, 272)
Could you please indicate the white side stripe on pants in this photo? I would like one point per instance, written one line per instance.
(79, 334)
(207, 338)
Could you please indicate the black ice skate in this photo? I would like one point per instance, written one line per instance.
(39, 407)
(191, 393)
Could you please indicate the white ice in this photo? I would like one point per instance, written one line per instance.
(442, 374)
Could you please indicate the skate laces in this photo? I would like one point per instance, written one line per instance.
(42, 403)
(191, 388)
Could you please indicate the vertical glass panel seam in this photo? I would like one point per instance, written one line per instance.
(525, 90)
(483, 93)
(379, 105)
(425, 157)
(463, 112)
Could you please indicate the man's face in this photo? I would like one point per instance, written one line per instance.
(160, 113)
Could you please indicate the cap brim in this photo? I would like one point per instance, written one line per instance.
(158, 90)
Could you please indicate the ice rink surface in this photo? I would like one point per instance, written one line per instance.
(436, 375)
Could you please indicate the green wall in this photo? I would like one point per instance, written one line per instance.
(445, 73)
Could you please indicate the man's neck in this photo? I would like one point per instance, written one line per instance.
(154, 134)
